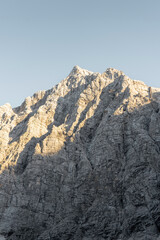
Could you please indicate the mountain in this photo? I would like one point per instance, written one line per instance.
(81, 161)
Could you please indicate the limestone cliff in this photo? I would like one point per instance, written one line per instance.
(82, 161)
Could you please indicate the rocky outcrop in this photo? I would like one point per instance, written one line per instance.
(82, 161)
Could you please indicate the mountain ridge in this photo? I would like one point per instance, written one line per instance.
(81, 160)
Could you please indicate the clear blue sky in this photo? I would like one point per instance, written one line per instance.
(41, 41)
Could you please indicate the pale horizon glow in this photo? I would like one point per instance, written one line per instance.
(41, 41)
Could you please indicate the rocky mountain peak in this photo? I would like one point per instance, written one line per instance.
(81, 161)
(78, 70)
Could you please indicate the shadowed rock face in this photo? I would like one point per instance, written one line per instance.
(82, 161)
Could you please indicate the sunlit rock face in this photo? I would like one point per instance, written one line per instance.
(81, 161)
